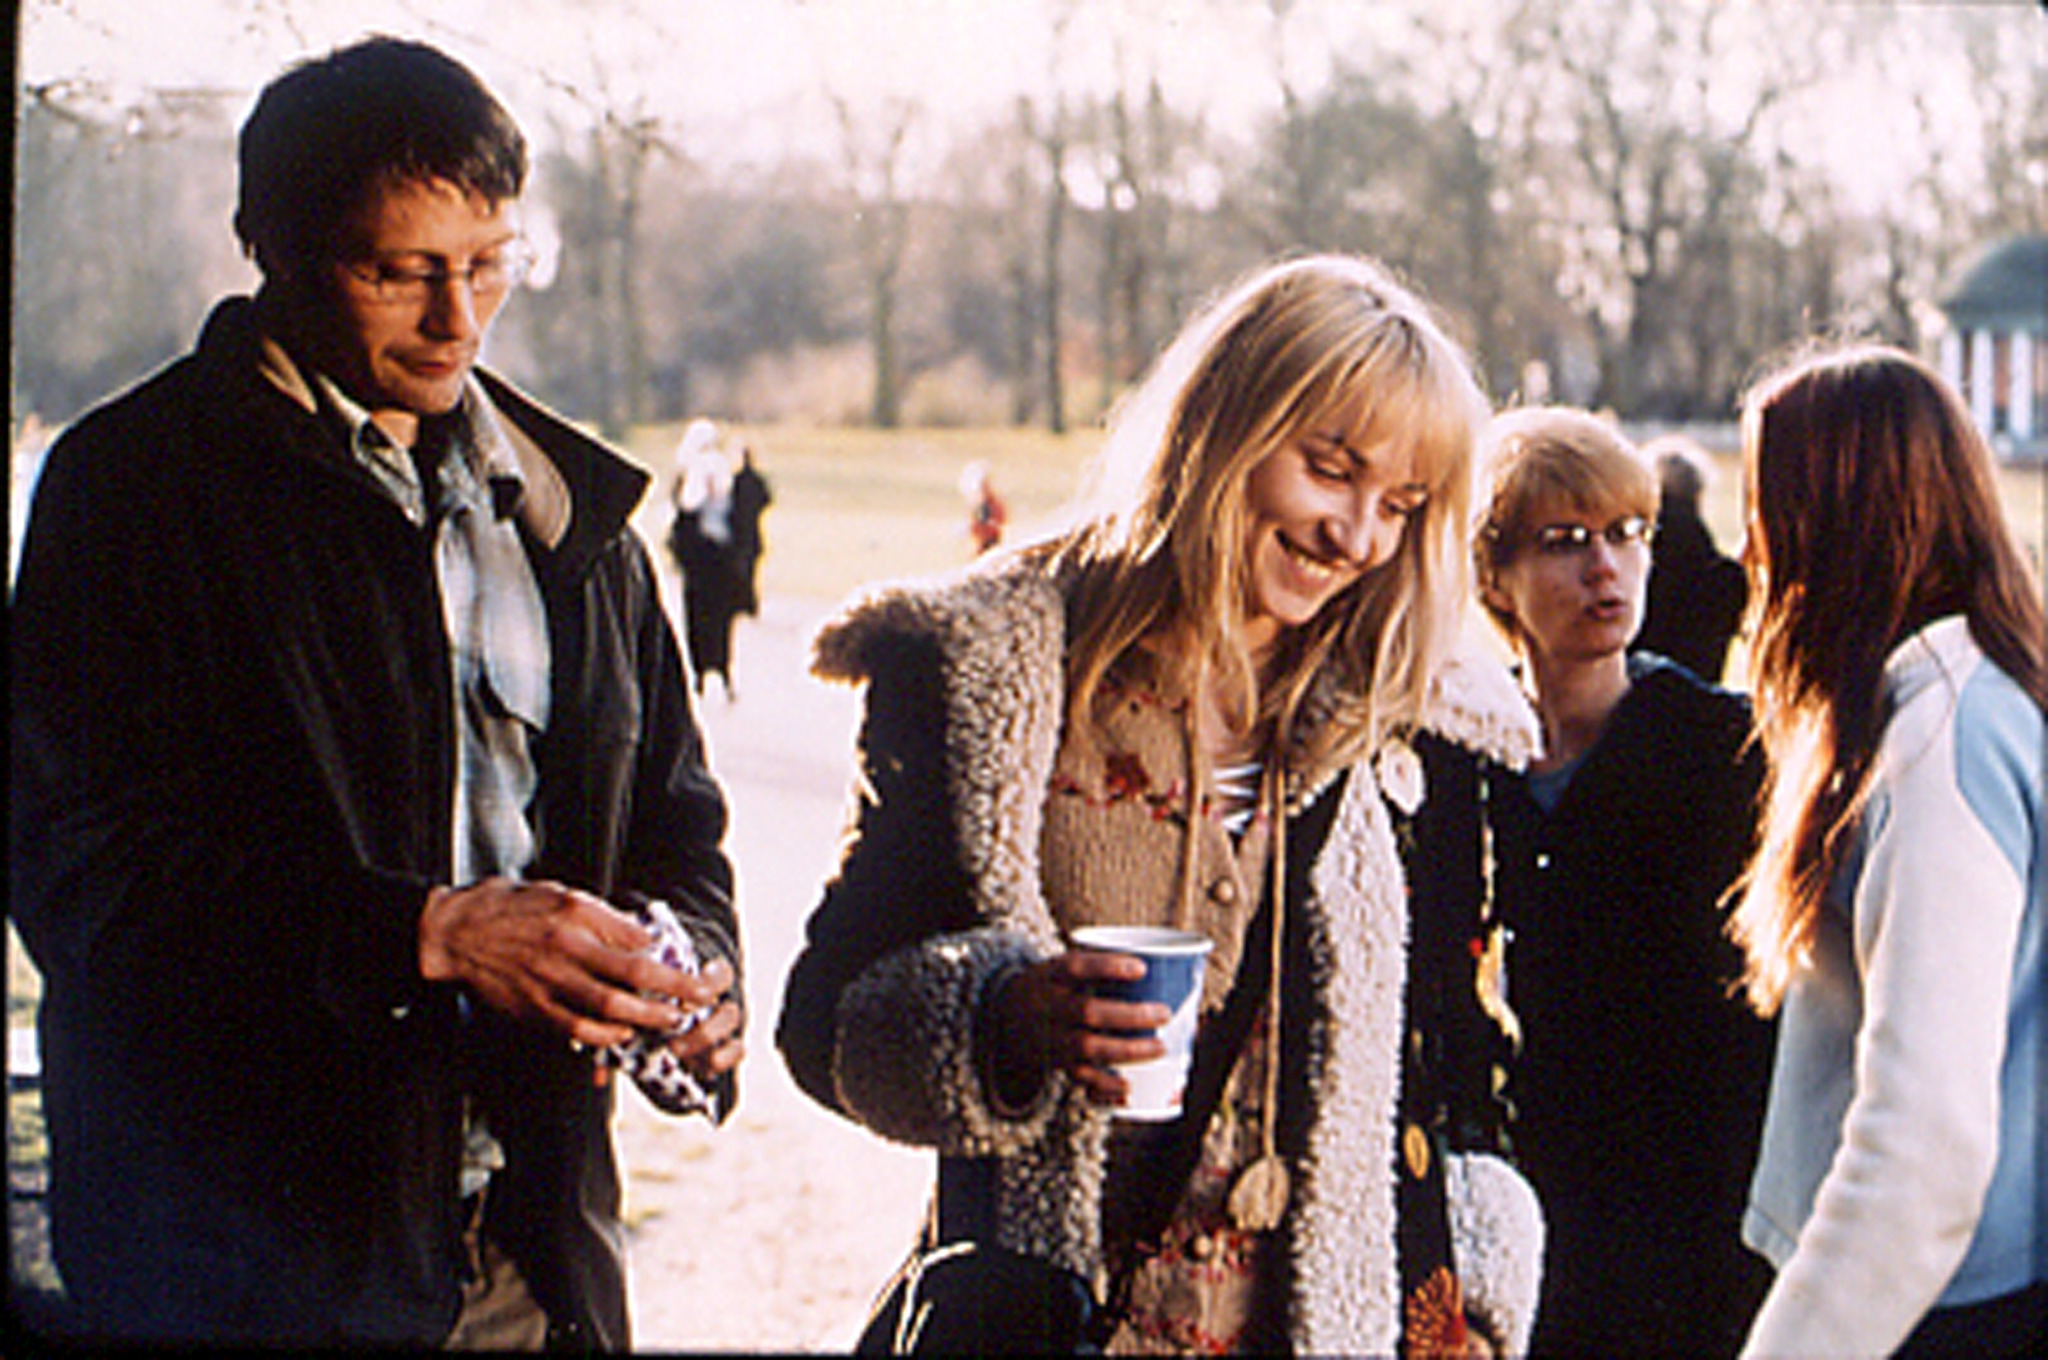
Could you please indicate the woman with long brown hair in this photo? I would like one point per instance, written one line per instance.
(1895, 908)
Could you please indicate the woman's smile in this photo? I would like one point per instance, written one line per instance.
(1317, 570)
(1321, 515)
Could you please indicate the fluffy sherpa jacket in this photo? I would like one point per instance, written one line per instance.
(900, 1055)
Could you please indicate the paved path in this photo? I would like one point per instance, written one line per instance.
(773, 1232)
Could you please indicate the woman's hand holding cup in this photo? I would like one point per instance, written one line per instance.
(1175, 963)
(1048, 1016)
(1118, 1009)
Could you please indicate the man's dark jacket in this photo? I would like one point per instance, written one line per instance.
(232, 784)
(1693, 604)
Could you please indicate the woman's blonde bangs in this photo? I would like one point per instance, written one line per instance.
(1424, 399)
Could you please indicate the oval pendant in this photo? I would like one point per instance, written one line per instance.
(1259, 1199)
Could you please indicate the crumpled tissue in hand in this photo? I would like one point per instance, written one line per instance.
(646, 1057)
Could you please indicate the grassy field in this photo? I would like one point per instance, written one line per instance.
(853, 506)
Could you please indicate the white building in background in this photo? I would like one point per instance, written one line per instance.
(1996, 347)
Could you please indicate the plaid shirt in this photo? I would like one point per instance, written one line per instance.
(497, 624)
(497, 646)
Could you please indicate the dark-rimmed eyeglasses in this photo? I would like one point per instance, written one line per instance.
(1570, 540)
(396, 282)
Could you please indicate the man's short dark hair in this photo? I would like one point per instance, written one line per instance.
(332, 130)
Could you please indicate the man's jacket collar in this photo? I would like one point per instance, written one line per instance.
(580, 494)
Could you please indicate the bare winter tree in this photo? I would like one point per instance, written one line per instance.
(1633, 198)
(1658, 140)
(873, 150)
(1140, 147)
(121, 235)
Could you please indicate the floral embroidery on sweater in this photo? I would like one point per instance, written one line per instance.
(1125, 777)
(1436, 1318)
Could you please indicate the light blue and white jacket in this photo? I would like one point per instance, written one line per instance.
(1905, 1162)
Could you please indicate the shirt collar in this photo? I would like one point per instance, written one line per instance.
(538, 494)
(486, 455)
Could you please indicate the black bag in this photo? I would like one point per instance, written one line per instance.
(968, 1298)
(959, 1294)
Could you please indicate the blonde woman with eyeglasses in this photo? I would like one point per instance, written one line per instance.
(1640, 1082)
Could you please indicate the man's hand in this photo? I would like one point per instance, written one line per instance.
(545, 952)
(713, 1046)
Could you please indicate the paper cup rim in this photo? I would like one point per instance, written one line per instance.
(1160, 940)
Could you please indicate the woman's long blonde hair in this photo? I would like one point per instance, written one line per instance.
(1874, 512)
(1160, 551)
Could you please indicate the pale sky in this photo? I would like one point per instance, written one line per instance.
(737, 71)
(742, 81)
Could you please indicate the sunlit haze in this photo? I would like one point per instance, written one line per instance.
(754, 80)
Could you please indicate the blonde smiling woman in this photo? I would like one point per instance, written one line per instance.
(1177, 713)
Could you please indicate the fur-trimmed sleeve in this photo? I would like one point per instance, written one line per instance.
(881, 1014)
(906, 1063)
(1496, 1243)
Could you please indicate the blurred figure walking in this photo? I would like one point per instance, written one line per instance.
(702, 541)
(987, 515)
(751, 497)
(1696, 593)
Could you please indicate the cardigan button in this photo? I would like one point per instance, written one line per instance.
(1543, 859)
(1224, 890)
(1415, 1150)
(1202, 1246)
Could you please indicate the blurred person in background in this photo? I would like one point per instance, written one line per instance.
(360, 820)
(988, 516)
(1696, 593)
(703, 541)
(751, 497)
(1896, 911)
(1639, 1089)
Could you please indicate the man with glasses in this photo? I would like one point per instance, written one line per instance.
(354, 771)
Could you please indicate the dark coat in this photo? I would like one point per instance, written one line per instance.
(711, 596)
(232, 765)
(1694, 602)
(1640, 1088)
(751, 497)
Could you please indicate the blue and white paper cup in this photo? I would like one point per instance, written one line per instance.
(1174, 962)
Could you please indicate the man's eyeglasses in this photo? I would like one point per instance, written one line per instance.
(491, 275)
(1569, 540)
